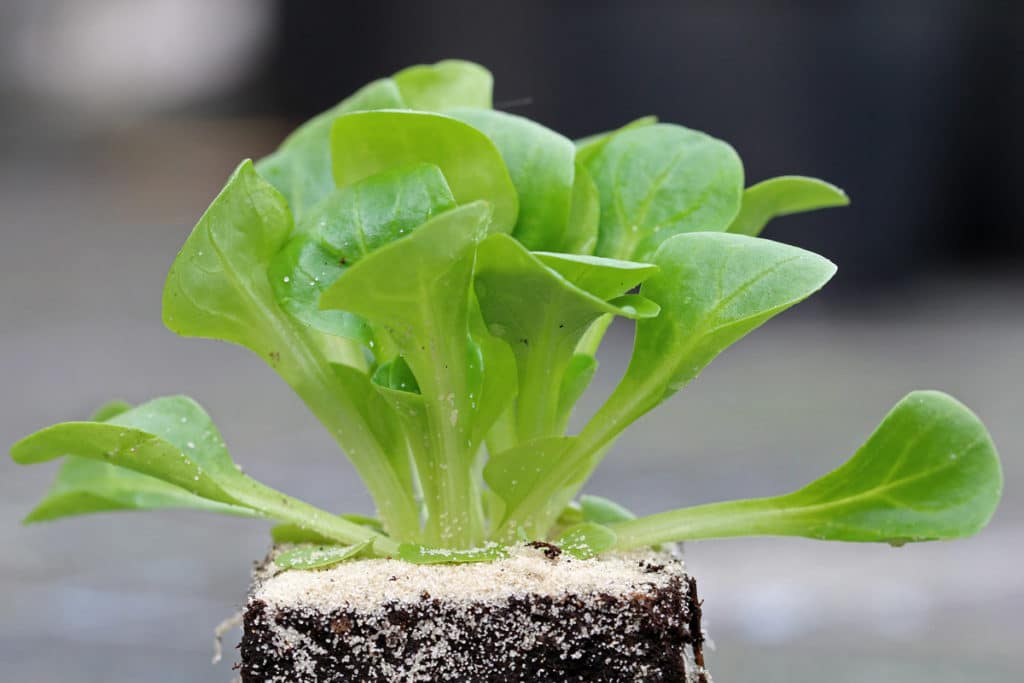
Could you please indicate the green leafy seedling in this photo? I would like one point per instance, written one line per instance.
(434, 280)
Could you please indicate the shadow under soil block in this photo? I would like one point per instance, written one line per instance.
(539, 615)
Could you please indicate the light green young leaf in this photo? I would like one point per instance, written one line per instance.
(542, 315)
(603, 277)
(542, 166)
(783, 196)
(588, 147)
(586, 540)
(417, 290)
(419, 554)
(366, 143)
(219, 288)
(580, 235)
(348, 224)
(659, 181)
(301, 166)
(445, 85)
(929, 472)
(603, 511)
(173, 439)
(319, 556)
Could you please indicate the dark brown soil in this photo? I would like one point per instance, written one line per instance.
(643, 636)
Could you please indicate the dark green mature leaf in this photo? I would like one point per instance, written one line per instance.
(659, 181)
(367, 143)
(783, 196)
(542, 314)
(320, 556)
(348, 224)
(929, 472)
(448, 84)
(586, 540)
(172, 439)
(417, 290)
(541, 164)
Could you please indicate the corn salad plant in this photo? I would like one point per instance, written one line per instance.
(434, 278)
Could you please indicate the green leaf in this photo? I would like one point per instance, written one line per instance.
(713, 289)
(417, 290)
(110, 409)
(662, 180)
(419, 554)
(588, 147)
(542, 314)
(366, 143)
(577, 377)
(517, 473)
(541, 164)
(219, 287)
(929, 472)
(445, 85)
(301, 167)
(586, 540)
(299, 274)
(783, 196)
(282, 534)
(319, 556)
(603, 511)
(580, 235)
(87, 486)
(172, 439)
(350, 223)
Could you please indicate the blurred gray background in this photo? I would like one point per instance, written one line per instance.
(120, 119)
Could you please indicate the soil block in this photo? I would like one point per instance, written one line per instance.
(539, 615)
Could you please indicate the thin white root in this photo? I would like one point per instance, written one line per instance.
(221, 630)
